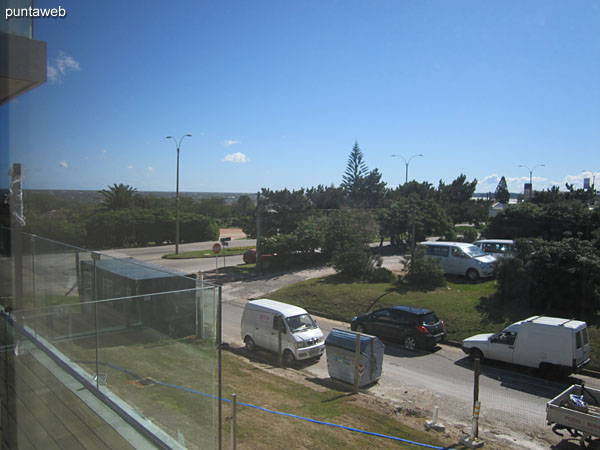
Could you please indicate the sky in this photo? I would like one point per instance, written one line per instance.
(276, 93)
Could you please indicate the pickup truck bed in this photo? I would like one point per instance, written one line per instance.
(579, 422)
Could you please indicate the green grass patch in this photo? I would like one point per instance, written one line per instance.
(465, 308)
(229, 251)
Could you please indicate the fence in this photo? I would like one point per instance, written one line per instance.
(117, 328)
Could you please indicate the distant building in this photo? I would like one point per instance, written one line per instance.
(496, 208)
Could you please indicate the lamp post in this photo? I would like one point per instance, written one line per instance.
(407, 163)
(178, 145)
(531, 173)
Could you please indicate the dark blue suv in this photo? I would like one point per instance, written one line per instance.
(412, 327)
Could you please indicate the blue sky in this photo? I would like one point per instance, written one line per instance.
(275, 93)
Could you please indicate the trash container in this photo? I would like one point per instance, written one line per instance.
(340, 346)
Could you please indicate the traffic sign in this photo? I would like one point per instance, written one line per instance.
(216, 248)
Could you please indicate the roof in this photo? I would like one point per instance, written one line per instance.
(555, 321)
(448, 243)
(410, 309)
(284, 309)
(135, 269)
(496, 241)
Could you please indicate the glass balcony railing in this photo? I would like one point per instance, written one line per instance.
(105, 326)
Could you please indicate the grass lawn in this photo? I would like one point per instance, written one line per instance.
(208, 253)
(465, 308)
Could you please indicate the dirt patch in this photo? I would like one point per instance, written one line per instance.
(405, 412)
(233, 233)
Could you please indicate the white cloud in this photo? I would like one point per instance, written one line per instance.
(103, 151)
(229, 142)
(150, 169)
(130, 166)
(60, 66)
(236, 158)
(64, 164)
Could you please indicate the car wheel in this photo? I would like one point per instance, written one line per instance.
(410, 343)
(250, 345)
(361, 328)
(472, 275)
(475, 353)
(288, 358)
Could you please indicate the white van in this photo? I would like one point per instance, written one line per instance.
(460, 258)
(301, 338)
(541, 342)
(500, 248)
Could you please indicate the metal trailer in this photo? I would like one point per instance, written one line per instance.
(580, 420)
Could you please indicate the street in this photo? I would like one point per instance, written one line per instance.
(513, 401)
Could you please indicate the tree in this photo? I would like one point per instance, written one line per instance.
(282, 211)
(356, 170)
(118, 196)
(550, 221)
(456, 198)
(243, 206)
(502, 194)
(413, 218)
(552, 277)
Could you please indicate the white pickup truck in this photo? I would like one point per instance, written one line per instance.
(551, 344)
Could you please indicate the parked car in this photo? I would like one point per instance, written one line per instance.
(546, 343)
(460, 258)
(301, 338)
(500, 248)
(412, 327)
(249, 256)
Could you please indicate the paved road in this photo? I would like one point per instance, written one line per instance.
(155, 254)
(513, 402)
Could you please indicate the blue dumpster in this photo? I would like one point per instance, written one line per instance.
(340, 346)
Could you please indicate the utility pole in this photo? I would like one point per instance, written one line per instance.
(258, 233)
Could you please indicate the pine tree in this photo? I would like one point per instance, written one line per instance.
(356, 169)
(502, 194)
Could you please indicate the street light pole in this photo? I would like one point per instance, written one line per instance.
(531, 173)
(178, 145)
(407, 163)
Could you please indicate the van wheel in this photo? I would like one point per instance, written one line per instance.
(475, 353)
(410, 343)
(288, 358)
(360, 328)
(472, 275)
(250, 345)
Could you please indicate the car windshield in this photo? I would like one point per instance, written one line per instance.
(300, 323)
(429, 319)
(473, 251)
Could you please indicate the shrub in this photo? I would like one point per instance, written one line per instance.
(353, 261)
(469, 235)
(424, 273)
(382, 275)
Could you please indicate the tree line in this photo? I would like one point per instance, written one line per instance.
(124, 218)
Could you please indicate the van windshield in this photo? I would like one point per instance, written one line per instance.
(300, 323)
(473, 251)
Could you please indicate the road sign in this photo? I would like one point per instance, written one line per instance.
(216, 248)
